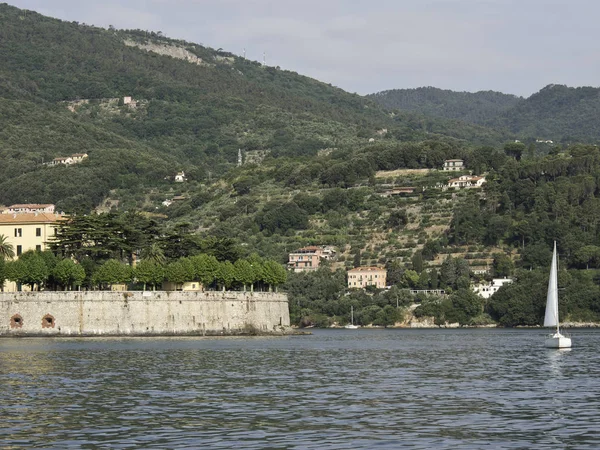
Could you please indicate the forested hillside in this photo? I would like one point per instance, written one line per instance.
(479, 107)
(558, 113)
(319, 166)
(61, 91)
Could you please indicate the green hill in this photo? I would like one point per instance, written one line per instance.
(557, 112)
(479, 107)
(62, 85)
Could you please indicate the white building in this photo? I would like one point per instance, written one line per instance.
(466, 181)
(486, 290)
(180, 177)
(454, 165)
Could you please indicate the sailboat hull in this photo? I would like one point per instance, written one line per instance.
(557, 341)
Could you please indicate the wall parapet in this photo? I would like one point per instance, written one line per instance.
(142, 313)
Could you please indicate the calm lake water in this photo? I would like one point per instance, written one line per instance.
(336, 389)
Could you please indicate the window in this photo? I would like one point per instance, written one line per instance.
(38, 232)
(18, 232)
(38, 248)
(19, 250)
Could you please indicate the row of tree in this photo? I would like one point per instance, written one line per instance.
(46, 270)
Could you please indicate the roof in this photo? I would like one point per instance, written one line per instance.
(77, 155)
(26, 218)
(455, 160)
(30, 205)
(367, 269)
(310, 248)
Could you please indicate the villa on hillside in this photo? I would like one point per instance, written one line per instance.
(75, 158)
(180, 177)
(454, 165)
(486, 290)
(466, 181)
(361, 277)
(307, 259)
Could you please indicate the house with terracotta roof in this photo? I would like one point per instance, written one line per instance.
(307, 259)
(29, 231)
(361, 277)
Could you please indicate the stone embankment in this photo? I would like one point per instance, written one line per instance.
(137, 313)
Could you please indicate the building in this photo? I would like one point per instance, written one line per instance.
(75, 158)
(185, 286)
(307, 259)
(466, 181)
(398, 191)
(486, 290)
(29, 231)
(78, 157)
(64, 160)
(454, 165)
(29, 208)
(180, 177)
(361, 277)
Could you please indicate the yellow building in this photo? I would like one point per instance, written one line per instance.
(28, 231)
(361, 277)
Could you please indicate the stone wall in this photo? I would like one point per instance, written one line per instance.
(136, 313)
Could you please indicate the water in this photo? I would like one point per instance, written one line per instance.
(336, 389)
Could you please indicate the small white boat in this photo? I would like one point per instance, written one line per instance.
(557, 339)
(351, 326)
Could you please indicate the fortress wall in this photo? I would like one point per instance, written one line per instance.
(137, 313)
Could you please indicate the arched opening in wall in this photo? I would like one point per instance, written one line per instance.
(48, 321)
(16, 321)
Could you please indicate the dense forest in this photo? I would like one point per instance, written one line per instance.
(557, 112)
(317, 168)
(479, 107)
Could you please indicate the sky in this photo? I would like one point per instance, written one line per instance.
(366, 46)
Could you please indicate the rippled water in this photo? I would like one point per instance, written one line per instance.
(336, 389)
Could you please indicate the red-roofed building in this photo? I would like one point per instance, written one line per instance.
(307, 259)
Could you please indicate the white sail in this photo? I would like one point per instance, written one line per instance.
(551, 317)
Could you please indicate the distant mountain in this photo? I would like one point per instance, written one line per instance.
(479, 107)
(557, 112)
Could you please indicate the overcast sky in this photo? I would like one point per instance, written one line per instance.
(365, 46)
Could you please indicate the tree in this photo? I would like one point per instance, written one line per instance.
(225, 274)
(273, 273)
(256, 265)
(514, 149)
(68, 273)
(243, 272)
(206, 269)
(112, 272)
(2, 274)
(417, 262)
(154, 253)
(6, 248)
(503, 265)
(177, 272)
(149, 272)
(29, 269)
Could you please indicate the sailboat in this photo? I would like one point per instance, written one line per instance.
(554, 340)
(351, 325)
